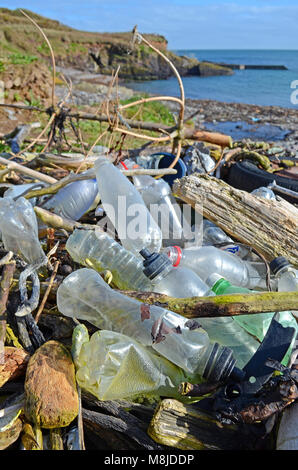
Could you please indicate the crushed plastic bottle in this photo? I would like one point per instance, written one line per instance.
(74, 200)
(19, 230)
(255, 324)
(126, 209)
(206, 260)
(113, 366)
(286, 274)
(264, 192)
(158, 198)
(84, 295)
(96, 249)
(213, 235)
(166, 279)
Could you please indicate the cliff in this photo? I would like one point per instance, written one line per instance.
(20, 42)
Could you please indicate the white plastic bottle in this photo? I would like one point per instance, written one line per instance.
(206, 260)
(74, 200)
(286, 274)
(96, 249)
(126, 209)
(163, 207)
(83, 294)
(175, 282)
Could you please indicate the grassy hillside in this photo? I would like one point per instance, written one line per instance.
(21, 42)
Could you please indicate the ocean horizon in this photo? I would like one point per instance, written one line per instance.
(258, 87)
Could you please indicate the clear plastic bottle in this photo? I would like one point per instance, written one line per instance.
(206, 260)
(83, 294)
(126, 209)
(74, 200)
(96, 249)
(158, 198)
(212, 234)
(19, 229)
(257, 324)
(176, 282)
(286, 274)
(264, 192)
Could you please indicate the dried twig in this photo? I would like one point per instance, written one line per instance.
(47, 292)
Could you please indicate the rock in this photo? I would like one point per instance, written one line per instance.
(15, 363)
(9, 436)
(51, 398)
(17, 82)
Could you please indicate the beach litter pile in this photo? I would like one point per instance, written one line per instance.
(148, 296)
(178, 313)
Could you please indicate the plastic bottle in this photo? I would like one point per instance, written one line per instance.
(213, 235)
(126, 209)
(17, 190)
(96, 249)
(286, 274)
(19, 230)
(113, 366)
(264, 192)
(257, 324)
(166, 279)
(164, 209)
(83, 294)
(206, 260)
(74, 200)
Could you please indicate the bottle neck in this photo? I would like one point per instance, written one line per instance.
(286, 269)
(174, 253)
(220, 287)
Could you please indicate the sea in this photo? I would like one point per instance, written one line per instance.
(259, 87)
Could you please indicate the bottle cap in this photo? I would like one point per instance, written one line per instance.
(154, 263)
(278, 263)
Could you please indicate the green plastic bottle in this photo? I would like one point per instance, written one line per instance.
(255, 324)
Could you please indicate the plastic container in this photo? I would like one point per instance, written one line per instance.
(163, 207)
(175, 282)
(206, 260)
(255, 324)
(213, 235)
(163, 160)
(84, 295)
(19, 230)
(74, 200)
(286, 274)
(113, 366)
(126, 209)
(264, 192)
(94, 248)
(19, 189)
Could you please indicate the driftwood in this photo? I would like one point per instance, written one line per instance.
(269, 226)
(221, 305)
(98, 421)
(186, 427)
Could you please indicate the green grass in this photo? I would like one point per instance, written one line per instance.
(153, 111)
(22, 59)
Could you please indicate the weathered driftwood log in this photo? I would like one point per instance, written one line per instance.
(126, 424)
(186, 427)
(269, 226)
(221, 305)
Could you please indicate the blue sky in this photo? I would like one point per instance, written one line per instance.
(187, 24)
